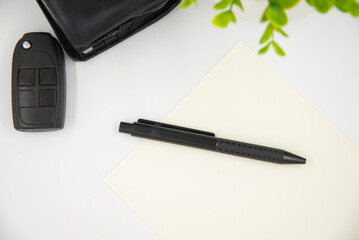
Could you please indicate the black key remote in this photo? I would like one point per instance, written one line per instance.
(38, 83)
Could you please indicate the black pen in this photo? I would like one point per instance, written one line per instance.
(206, 140)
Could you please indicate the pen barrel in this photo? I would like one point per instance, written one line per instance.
(205, 140)
(250, 150)
(174, 136)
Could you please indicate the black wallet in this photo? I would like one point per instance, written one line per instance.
(86, 28)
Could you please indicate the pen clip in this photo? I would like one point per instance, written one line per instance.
(165, 125)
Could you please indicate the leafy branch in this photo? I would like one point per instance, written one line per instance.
(275, 15)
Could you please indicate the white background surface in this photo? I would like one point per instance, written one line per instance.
(52, 184)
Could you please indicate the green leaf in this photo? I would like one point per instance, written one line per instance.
(267, 34)
(354, 9)
(276, 15)
(285, 4)
(323, 6)
(232, 17)
(187, 3)
(282, 32)
(343, 5)
(222, 20)
(265, 49)
(264, 16)
(239, 4)
(222, 4)
(278, 49)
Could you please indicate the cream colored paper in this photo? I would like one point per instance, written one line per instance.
(186, 193)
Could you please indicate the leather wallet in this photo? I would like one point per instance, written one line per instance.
(86, 28)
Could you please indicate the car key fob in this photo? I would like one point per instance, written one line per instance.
(38, 83)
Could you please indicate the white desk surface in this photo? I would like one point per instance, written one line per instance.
(52, 184)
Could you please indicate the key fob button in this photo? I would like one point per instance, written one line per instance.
(47, 98)
(32, 59)
(37, 116)
(47, 77)
(26, 77)
(26, 98)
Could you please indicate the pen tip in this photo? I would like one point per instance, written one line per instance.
(291, 158)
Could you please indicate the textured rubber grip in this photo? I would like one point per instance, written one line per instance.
(250, 150)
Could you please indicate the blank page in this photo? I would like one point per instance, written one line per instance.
(189, 193)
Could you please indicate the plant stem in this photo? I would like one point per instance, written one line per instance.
(230, 7)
